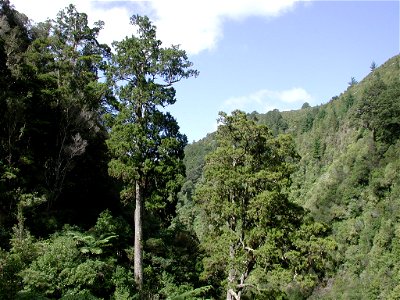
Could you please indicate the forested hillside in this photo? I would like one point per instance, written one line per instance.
(102, 198)
(347, 178)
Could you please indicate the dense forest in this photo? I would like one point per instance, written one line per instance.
(101, 196)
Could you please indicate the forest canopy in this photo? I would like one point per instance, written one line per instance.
(101, 196)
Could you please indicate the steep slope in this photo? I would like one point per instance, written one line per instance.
(348, 177)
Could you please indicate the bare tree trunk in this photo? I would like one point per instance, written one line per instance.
(138, 247)
(231, 294)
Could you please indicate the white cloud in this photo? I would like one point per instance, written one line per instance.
(294, 95)
(116, 18)
(39, 10)
(265, 100)
(196, 25)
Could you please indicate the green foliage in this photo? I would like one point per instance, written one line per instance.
(274, 120)
(44, 274)
(22, 253)
(90, 244)
(352, 188)
(247, 227)
(72, 264)
(373, 66)
(251, 241)
(379, 109)
(50, 132)
(172, 260)
(146, 146)
(347, 177)
(123, 281)
(369, 102)
(387, 111)
(348, 101)
(193, 294)
(52, 108)
(352, 81)
(83, 295)
(145, 142)
(195, 154)
(308, 121)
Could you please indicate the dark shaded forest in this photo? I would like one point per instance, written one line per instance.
(101, 196)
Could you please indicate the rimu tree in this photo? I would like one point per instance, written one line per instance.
(145, 141)
(250, 233)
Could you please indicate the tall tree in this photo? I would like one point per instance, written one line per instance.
(250, 221)
(15, 104)
(369, 106)
(67, 59)
(50, 106)
(145, 142)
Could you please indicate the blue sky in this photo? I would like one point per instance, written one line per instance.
(253, 54)
(316, 47)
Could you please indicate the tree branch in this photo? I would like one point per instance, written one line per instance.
(243, 285)
(249, 249)
(232, 292)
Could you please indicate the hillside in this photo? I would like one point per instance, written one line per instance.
(102, 198)
(348, 177)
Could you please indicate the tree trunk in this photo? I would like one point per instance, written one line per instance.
(138, 247)
(231, 294)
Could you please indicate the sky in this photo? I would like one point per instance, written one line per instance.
(253, 55)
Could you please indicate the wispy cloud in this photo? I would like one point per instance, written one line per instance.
(195, 25)
(265, 100)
